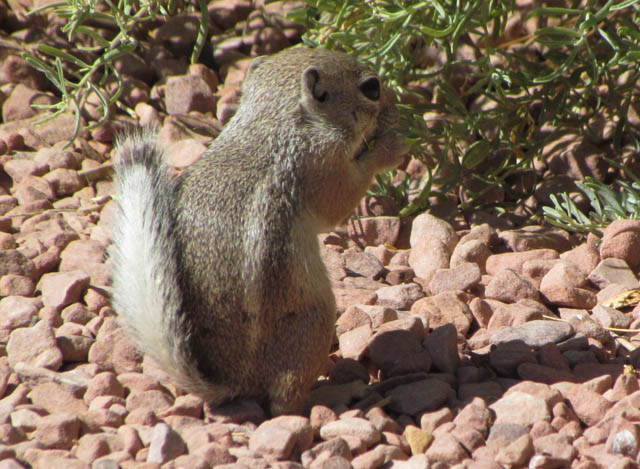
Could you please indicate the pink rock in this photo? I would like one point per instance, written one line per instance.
(413, 324)
(187, 93)
(557, 447)
(114, 350)
(422, 396)
(444, 308)
(446, 449)
(379, 314)
(400, 297)
(442, 345)
(54, 398)
(35, 345)
(461, 277)
(620, 240)
(516, 453)
(157, 401)
(16, 312)
(33, 189)
(562, 294)
(429, 421)
(472, 251)
(521, 408)
(18, 285)
(427, 256)
(353, 344)
(611, 317)
(14, 262)
(624, 438)
(166, 444)
(65, 181)
(103, 384)
(586, 257)
(535, 237)
(510, 286)
(346, 297)
(375, 231)
(58, 431)
(299, 427)
(481, 311)
(332, 448)
(613, 271)
(536, 269)
(535, 333)
(60, 289)
(589, 406)
(475, 415)
(363, 264)
(18, 104)
(352, 318)
(398, 352)
(425, 225)
(507, 356)
(515, 260)
(354, 427)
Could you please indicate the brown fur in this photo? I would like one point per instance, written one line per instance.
(252, 312)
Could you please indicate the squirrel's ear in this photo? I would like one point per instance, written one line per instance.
(311, 86)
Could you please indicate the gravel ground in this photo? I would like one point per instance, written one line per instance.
(463, 340)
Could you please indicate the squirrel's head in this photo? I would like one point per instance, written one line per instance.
(322, 89)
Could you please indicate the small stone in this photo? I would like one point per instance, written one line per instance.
(557, 447)
(16, 285)
(446, 449)
(60, 289)
(442, 345)
(35, 346)
(418, 439)
(375, 231)
(429, 421)
(521, 409)
(507, 356)
(166, 444)
(422, 396)
(535, 333)
(353, 344)
(620, 241)
(363, 264)
(354, 427)
(187, 93)
(334, 447)
(425, 225)
(463, 276)
(398, 352)
(59, 431)
(515, 260)
(510, 286)
(427, 256)
(589, 406)
(517, 452)
(586, 257)
(444, 308)
(535, 237)
(613, 271)
(472, 251)
(624, 438)
(400, 297)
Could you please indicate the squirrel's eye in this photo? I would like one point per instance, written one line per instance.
(371, 88)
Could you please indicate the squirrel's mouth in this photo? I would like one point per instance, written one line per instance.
(366, 145)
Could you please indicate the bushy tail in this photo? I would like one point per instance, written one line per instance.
(146, 292)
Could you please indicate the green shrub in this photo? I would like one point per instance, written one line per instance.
(483, 82)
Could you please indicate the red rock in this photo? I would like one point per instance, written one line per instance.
(557, 447)
(586, 257)
(481, 311)
(472, 251)
(444, 308)
(521, 408)
(346, 297)
(446, 449)
(421, 396)
(427, 256)
(352, 318)
(335, 447)
(187, 93)
(14, 262)
(60, 289)
(18, 104)
(398, 352)
(429, 421)
(620, 239)
(510, 286)
(589, 406)
(613, 270)
(375, 231)
(382, 421)
(54, 398)
(400, 297)
(103, 384)
(353, 344)
(65, 181)
(442, 345)
(299, 428)
(34, 345)
(535, 237)
(461, 277)
(516, 453)
(426, 225)
(166, 444)
(515, 260)
(413, 324)
(354, 427)
(16, 285)
(624, 438)
(16, 312)
(57, 430)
